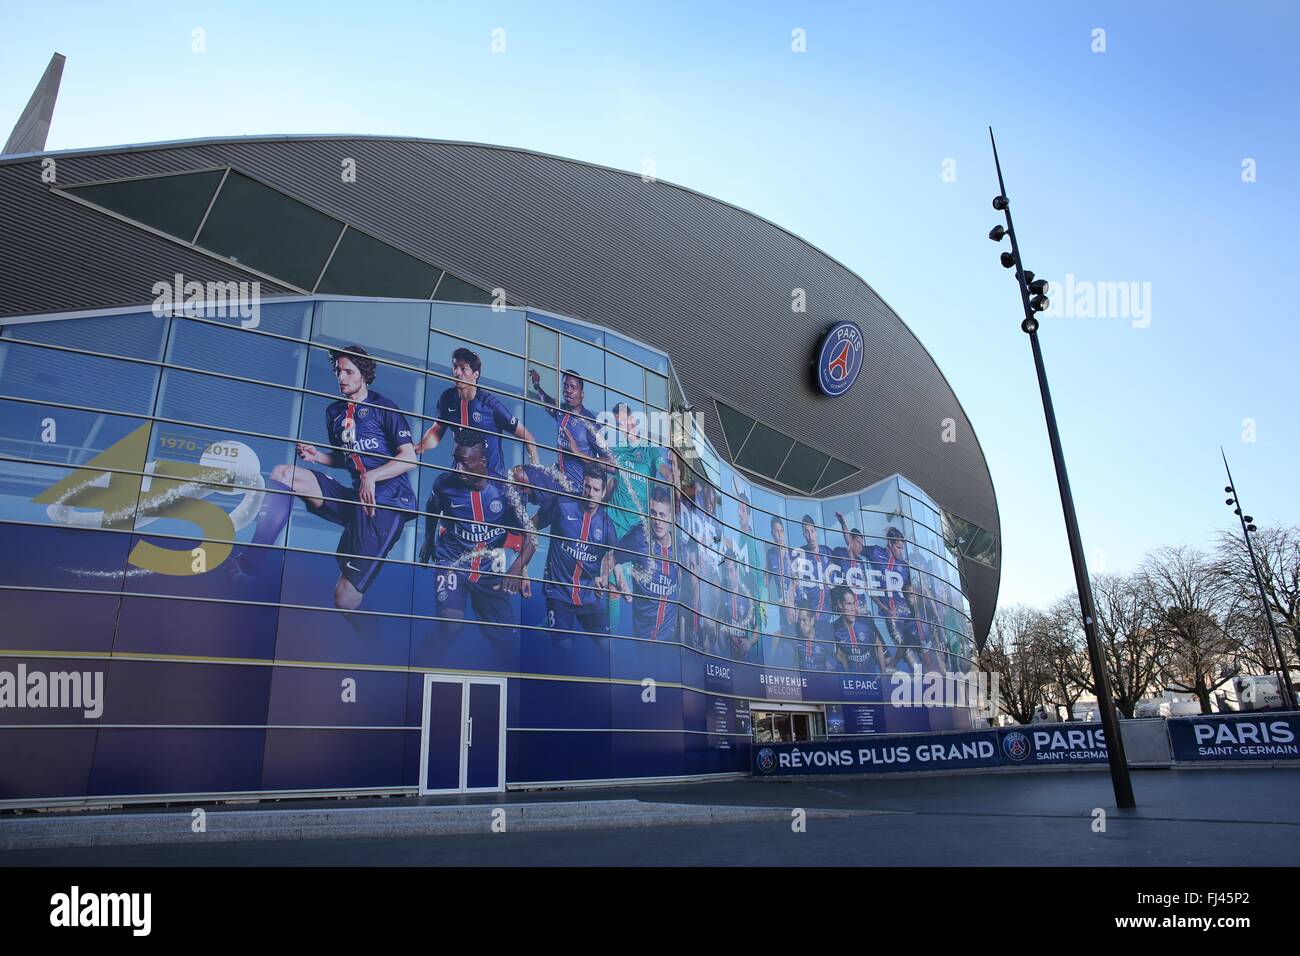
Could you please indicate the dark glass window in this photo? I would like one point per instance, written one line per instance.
(171, 204)
(452, 289)
(765, 450)
(836, 471)
(735, 426)
(802, 469)
(266, 230)
(365, 266)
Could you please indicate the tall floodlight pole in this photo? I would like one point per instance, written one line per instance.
(1247, 526)
(1034, 298)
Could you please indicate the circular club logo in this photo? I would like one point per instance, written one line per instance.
(767, 760)
(1016, 745)
(840, 359)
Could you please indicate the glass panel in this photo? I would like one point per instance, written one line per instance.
(835, 472)
(656, 389)
(68, 378)
(735, 426)
(498, 371)
(247, 355)
(543, 344)
(392, 330)
(624, 376)
(452, 289)
(765, 450)
(586, 333)
(137, 335)
(802, 468)
(221, 402)
(502, 329)
(637, 353)
(171, 204)
(363, 265)
(263, 228)
(586, 360)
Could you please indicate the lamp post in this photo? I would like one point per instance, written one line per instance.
(1033, 296)
(1247, 526)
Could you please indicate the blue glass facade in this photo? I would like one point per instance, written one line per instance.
(258, 635)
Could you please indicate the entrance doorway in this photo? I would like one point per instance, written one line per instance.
(787, 726)
(463, 735)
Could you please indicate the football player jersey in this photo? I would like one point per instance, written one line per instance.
(484, 412)
(654, 585)
(854, 642)
(582, 538)
(466, 520)
(370, 434)
(576, 433)
(811, 593)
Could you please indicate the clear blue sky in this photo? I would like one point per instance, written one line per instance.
(1123, 166)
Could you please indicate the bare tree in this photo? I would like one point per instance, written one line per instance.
(1278, 552)
(1133, 649)
(1016, 651)
(1067, 654)
(1190, 602)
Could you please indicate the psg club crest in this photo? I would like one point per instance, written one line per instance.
(840, 358)
(1016, 745)
(766, 760)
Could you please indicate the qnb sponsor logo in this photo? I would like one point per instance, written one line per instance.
(1245, 737)
(209, 300)
(1062, 745)
(75, 909)
(54, 690)
(974, 689)
(1084, 299)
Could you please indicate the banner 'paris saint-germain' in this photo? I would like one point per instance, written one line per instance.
(839, 360)
(1236, 737)
(1046, 745)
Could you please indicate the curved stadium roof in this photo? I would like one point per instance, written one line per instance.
(702, 280)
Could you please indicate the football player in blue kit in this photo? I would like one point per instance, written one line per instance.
(578, 558)
(650, 582)
(780, 579)
(470, 516)
(853, 640)
(737, 636)
(578, 438)
(811, 652)
(373, 442)
(467, 409)
(811, 591)
(852, 559)
(896, 605)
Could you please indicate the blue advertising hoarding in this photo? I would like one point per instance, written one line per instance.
(1036, 746)
(1235, 737)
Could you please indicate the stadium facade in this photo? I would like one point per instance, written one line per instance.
(350, 464)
